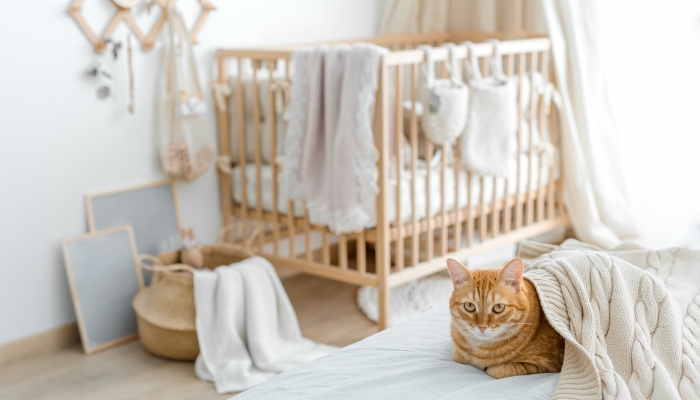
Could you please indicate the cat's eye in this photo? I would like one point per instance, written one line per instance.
(498, 308)
(470, 307)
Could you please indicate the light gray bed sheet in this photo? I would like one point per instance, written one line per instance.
(412, 360)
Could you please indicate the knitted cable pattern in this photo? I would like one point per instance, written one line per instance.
(628, 335)
(689, 385)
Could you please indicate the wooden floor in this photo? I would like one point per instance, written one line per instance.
(326, 310)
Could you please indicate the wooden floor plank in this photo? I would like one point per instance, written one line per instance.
(326, 310)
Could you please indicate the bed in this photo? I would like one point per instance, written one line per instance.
(412, 360)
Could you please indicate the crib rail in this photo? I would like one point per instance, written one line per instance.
(398, 250)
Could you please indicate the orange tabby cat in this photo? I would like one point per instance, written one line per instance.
(498, 324)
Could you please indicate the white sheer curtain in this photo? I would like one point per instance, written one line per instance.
(595, 191)
(651, 55)
(414, 16)
(496, 15)
(420, 16)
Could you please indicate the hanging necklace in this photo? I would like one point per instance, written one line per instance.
(131, 74)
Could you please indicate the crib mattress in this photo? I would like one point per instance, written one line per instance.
(421, 185)
(412, 360)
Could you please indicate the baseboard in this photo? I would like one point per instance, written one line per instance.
(39, 344)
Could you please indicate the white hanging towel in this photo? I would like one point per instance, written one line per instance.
(489, 139)
(330, 157)
(246, 326)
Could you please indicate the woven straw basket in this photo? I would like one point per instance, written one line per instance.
(165, 309)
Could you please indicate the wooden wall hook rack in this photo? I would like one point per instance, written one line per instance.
(124, 14)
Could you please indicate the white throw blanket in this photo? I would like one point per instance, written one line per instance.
(246, 326)
(330, 157)
(632, 331)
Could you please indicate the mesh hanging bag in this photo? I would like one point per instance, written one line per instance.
(444, 100)
(186, 146)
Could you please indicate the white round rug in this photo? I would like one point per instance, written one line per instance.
(407, 300)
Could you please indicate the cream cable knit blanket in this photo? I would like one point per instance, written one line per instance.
(630, 317)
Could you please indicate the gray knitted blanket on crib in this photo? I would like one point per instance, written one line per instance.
(630, 317)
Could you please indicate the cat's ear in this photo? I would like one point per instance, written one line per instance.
(458, 272)
(512, 273)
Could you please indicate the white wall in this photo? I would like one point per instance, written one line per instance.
(58, 142)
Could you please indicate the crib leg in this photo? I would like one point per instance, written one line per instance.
(383, 303)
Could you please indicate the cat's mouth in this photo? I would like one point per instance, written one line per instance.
(487, 334)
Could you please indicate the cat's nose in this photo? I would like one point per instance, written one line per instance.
(482, 328)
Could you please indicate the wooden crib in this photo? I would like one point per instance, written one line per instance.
(403, 249)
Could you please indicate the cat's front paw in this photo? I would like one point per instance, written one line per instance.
(459, 357)
(513, 369)
(501, 371)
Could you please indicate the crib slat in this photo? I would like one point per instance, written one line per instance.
(224, 150)
(307, 235)
(343, 252)
(518, 203)
(541, 117)
(483, 218)
(430, 234)
(325, 249)
(242, 162)
(483, 228)
(307, 224)
(560, 187)
(291, 229)
(415, 243)
(291, 207)
(485, 64)
(361, 253)
(272, 123)
(510, 69)
(470, 214)
(258, 151)
(398, 142)
(553, 129)
(531, 153)
(495, 214)
(469, 208)
(458, 212)
(383, 249)
(551, 191)
(443, 70)
(562, 178)
(443, 199)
